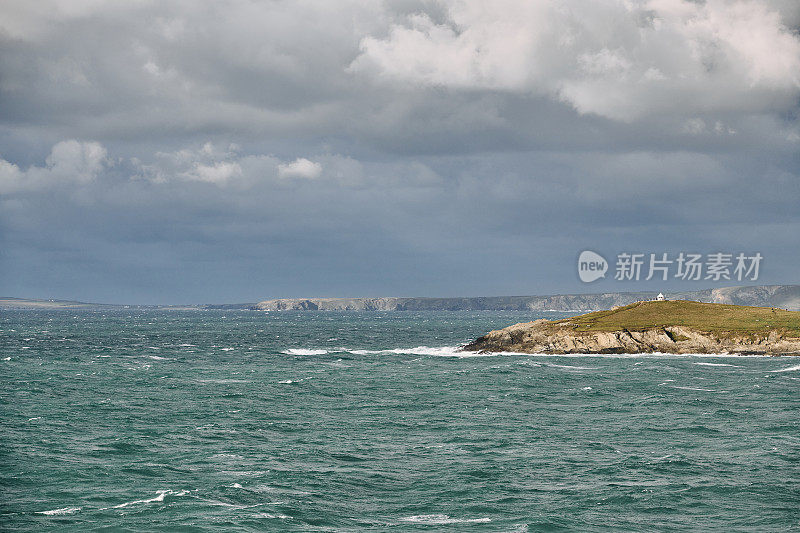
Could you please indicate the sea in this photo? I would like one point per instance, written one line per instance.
(199, 421)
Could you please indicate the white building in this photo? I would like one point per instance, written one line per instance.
(660, 297)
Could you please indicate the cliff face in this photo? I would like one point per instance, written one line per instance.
(784, 296)
(537, 337)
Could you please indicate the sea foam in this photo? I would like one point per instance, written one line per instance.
(62, 511)
(443, 519)
(159, 497)
(787, 369)
(440, 351)
(304, 351)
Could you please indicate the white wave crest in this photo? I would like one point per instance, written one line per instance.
(715, 364)
(443, 519)
(63, 510)
(159, 497)
(787, 369)
(698, 389)
(440, 351)
(304, 351)
(568, 367)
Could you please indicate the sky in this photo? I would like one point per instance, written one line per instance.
(156, 152)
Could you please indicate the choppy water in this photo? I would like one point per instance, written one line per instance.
(245, 421)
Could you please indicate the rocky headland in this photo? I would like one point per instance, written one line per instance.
(678, 327)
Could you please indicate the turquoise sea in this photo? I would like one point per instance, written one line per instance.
(161, 420)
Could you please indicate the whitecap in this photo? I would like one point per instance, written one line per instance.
(227, 349)
(443, 519)
(159, 497)
(304, 351)
(6, 358)
(443, 351)
(365, 352)
(715, 364)
(568, 367)
(696, 389)
(787, 369)
(440, 351)
(62, 511)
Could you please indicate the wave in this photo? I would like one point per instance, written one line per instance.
(787, 369)
(442, 351)
(159, 497)
(439, 351)
(62, 511)
(715, 364)
(568, 367)
(698, 389)
(443, 519)
(456, 351)
(304, 351)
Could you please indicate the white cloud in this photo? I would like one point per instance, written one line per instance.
(79, 161)
(223, 166)
(209, 164)
(219, 172)
(616, 58)
(300, 168)
(69, 162)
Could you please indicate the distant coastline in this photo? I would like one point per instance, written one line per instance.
(9, 303)
(781, 296)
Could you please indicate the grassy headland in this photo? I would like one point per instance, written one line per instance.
(679, 326)
(716, 318)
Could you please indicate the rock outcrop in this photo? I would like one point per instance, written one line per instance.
(532, 338)
(582, 335)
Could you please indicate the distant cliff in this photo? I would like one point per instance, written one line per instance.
(783, 296)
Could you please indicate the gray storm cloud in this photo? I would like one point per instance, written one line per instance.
(170, 151)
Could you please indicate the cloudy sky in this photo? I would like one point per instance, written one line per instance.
(231, 151)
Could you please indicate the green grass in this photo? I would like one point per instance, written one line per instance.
(716, 318)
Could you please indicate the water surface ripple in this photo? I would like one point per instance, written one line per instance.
(252, 421)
